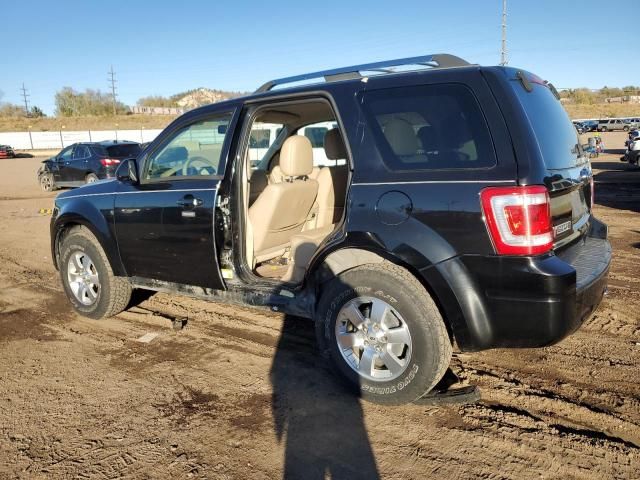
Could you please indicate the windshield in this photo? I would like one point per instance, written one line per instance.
(554, 132)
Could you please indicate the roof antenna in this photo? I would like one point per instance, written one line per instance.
(503, 53)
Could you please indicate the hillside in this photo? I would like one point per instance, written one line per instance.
(124, 122)
(202, 96)
(603, 110)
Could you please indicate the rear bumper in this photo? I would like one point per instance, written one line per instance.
(528, 302)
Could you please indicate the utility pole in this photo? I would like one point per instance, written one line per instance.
(112, 79)
(503, 53)
(25, 95)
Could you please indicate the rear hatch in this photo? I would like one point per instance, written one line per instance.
(568, 170)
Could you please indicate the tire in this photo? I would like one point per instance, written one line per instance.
(626, 129)
(101, 294)
(47, 182)
(603, 129)
(91, 178)
(419, 360)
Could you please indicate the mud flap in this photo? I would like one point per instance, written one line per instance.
(447, 393)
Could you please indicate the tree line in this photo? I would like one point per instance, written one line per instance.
(73, 103)
(585, 96)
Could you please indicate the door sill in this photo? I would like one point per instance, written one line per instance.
(276, 296)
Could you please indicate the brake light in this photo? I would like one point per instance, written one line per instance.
(109, 161)
(518, 219)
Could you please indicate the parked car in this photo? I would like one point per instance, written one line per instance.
(462, 215)
(580, 128)
(634, 122)
(590, 125)
(6, 152)
(612, 124)
(85, 162)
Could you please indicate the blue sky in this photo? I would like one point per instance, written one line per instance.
(164, 47)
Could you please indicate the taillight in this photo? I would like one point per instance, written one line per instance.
(518, 219)
(109, 161)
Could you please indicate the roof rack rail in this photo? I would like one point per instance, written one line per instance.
(438, 60)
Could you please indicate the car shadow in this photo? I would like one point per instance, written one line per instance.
(621, 196)
(320, 421)
(615, 151)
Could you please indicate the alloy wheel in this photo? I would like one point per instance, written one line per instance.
(373, 339)
(82, 278)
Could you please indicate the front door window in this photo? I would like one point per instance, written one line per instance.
(195, 151)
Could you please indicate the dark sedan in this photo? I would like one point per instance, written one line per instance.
(6, 152)
(85, 162)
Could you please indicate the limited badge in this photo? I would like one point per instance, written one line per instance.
(561, 228)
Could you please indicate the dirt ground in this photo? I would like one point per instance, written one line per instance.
(240, 393)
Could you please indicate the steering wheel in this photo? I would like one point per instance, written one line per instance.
(199, 163)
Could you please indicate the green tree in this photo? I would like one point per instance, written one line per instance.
(71, 103)
(157, 101)
(36, 112)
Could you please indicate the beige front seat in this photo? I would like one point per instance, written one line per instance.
(332, 181)
(281, 210)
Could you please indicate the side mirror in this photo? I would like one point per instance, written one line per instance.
(128, 171)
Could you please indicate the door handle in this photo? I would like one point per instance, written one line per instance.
(189, 201)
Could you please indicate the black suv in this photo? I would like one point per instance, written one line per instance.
(85, 162)
(455, 209)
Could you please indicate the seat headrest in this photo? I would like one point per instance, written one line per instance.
(427, 137)
(401, 137)
(334, 147)
(296, 156)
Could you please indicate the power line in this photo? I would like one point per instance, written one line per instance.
(112, 79)
(503, 53)
(25, 96)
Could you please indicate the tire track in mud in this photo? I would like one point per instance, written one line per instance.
(593, 415)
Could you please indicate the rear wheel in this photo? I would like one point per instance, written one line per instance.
(92, 288)
(626, 128)
(47, 183)
(91, 178)
(383, 333)
(603, 129)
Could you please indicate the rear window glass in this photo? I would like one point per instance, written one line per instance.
(556, 137)
(259, 138)
(429, 127)
(315, 136)
(124, 151)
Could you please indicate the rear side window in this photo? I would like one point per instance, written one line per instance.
(557, 139)
(429, 127)
(124, 151)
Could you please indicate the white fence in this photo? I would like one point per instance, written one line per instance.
(63, 138)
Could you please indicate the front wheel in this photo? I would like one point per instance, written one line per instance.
(383, 333)
(47, 183)
(92, 288)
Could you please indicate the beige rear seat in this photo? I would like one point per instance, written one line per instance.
(332, 181)
(303, 246)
